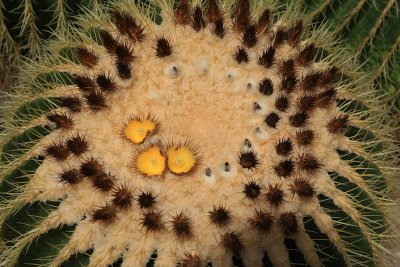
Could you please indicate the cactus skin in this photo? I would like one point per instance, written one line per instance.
(41, 225)
(26, 25)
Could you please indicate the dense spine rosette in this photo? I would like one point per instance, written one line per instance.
(210, 133)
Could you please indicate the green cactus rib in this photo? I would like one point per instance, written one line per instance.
(368, 170)
(362, 135)
(386, 36)
(340, 13)
(328, 254)
(29, 23)
(26, 25)
(362, 30)
(389, 78)
(35, 105)
(25, 219)
(295, 256)
(78, 260)
(350, 232)
(374, 219)
(35, 109)
(351, 106)
(50, 79)
(366, 27)
(28, 111)
(14, 182)
(82, 259)
(46, 247)
(19, 145)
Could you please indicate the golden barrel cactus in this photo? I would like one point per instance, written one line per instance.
(204, 133)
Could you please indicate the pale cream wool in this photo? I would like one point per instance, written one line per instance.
(206, 97)
(208, 104)
(200, 95)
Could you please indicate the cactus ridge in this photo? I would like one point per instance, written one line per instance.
(199, 133)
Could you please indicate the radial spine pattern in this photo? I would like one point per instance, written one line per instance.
(212, 133)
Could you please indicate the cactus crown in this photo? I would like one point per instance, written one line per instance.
(204, 133)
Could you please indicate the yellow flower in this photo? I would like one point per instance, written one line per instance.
(150, 161)
(180, 160)
(137, 130)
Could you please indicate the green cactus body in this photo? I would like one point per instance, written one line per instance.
(215, 133)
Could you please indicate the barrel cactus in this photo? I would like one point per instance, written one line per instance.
(204, 133)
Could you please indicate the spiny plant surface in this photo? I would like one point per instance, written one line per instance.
(193, 134)
(26, 24)
(366, 27)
